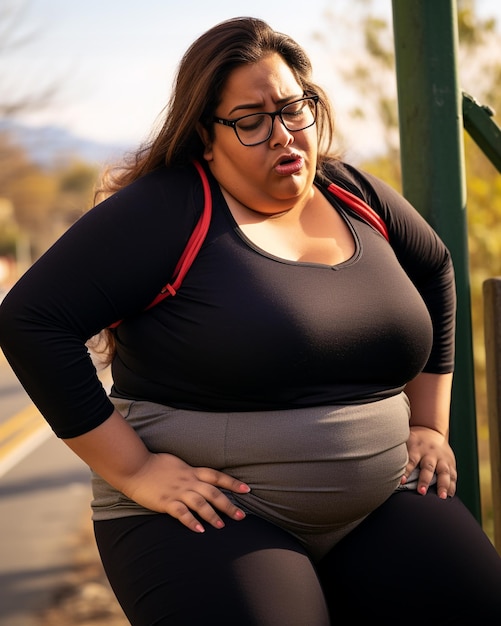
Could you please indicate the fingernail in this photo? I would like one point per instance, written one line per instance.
(244, 488)
(239, 514)
(199, 528)
(220, 523)
(422, 490)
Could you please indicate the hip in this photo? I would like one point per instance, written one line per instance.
(311, 470)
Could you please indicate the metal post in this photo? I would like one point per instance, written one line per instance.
(492, 339)
(430, 118)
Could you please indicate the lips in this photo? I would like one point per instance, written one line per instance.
(289, 165)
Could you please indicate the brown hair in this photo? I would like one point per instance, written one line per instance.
(198, 86)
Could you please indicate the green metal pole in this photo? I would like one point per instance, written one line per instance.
(477, 120)
(431, 139)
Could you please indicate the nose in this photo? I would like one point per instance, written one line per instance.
(280, 136)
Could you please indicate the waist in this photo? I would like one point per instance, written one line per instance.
(315, 472)
(225, 439)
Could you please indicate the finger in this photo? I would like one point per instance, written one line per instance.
(446, 480)
(412, 463)
(204, 500)
(453, 485)
(182, 513)
(426, 474)
(220, 501)
(204, 507)
(195, 502)
(201, 506)
(221, 480)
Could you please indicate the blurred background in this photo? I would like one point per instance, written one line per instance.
(82, 83)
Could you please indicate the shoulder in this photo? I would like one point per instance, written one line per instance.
(409, 232)
(378, 194)
(171, 181)
(356, 180)
(165, 197)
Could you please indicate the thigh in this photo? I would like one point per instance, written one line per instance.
(249, 573)
(416, 558)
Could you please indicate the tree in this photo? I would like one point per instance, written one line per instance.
(17, 93)
(45, 201)
(363, 74)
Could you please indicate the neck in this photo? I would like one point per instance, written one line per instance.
(245, 214)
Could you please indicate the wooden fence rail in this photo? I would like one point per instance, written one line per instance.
(492, 339)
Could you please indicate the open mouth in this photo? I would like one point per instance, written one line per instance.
(289, 165)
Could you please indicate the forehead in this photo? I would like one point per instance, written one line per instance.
(271, 76)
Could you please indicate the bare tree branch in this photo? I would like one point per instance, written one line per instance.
(17, 94)
(12, 21)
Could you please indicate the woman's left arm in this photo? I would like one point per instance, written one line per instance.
(428, 443)
(428, 263)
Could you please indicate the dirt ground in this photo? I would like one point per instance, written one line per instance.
(85, 599)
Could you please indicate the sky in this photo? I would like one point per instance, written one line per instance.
(113, 61)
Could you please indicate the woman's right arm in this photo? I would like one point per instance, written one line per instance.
(109, 265)
(159, 482)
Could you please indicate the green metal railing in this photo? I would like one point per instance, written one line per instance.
(432, 115)
(485, 132)
(477, 120)
(433, 179)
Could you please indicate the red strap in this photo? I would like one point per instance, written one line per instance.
(361, 208)
(192, 247)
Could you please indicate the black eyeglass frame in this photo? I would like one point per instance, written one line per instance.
(273, 115)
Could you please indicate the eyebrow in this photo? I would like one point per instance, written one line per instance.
(282, 102)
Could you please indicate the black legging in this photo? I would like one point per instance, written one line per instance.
(414, 560)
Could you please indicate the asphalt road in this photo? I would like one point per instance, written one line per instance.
(44, 499)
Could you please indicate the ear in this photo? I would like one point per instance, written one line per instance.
(207, 141)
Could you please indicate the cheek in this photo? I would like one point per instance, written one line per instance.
(307, 140)
(230, 160)
(224, 151)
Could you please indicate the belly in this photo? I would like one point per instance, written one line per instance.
(309, 469)
(318, 469)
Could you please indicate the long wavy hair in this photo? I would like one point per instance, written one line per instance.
(198, 86)
(197, 90)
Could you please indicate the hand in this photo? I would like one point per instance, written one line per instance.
(430, 451)
(167, 484)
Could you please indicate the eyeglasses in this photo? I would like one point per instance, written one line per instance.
(256, 128)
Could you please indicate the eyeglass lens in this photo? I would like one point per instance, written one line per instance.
(257, 127)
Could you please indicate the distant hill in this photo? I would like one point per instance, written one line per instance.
(49, 145)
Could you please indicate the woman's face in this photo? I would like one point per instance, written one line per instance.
(275, 175)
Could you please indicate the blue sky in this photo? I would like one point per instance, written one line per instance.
(114, 59)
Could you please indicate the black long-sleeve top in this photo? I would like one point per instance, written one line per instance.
(247, 330)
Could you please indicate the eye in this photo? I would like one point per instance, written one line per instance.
(251, 122)
(294, 110)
